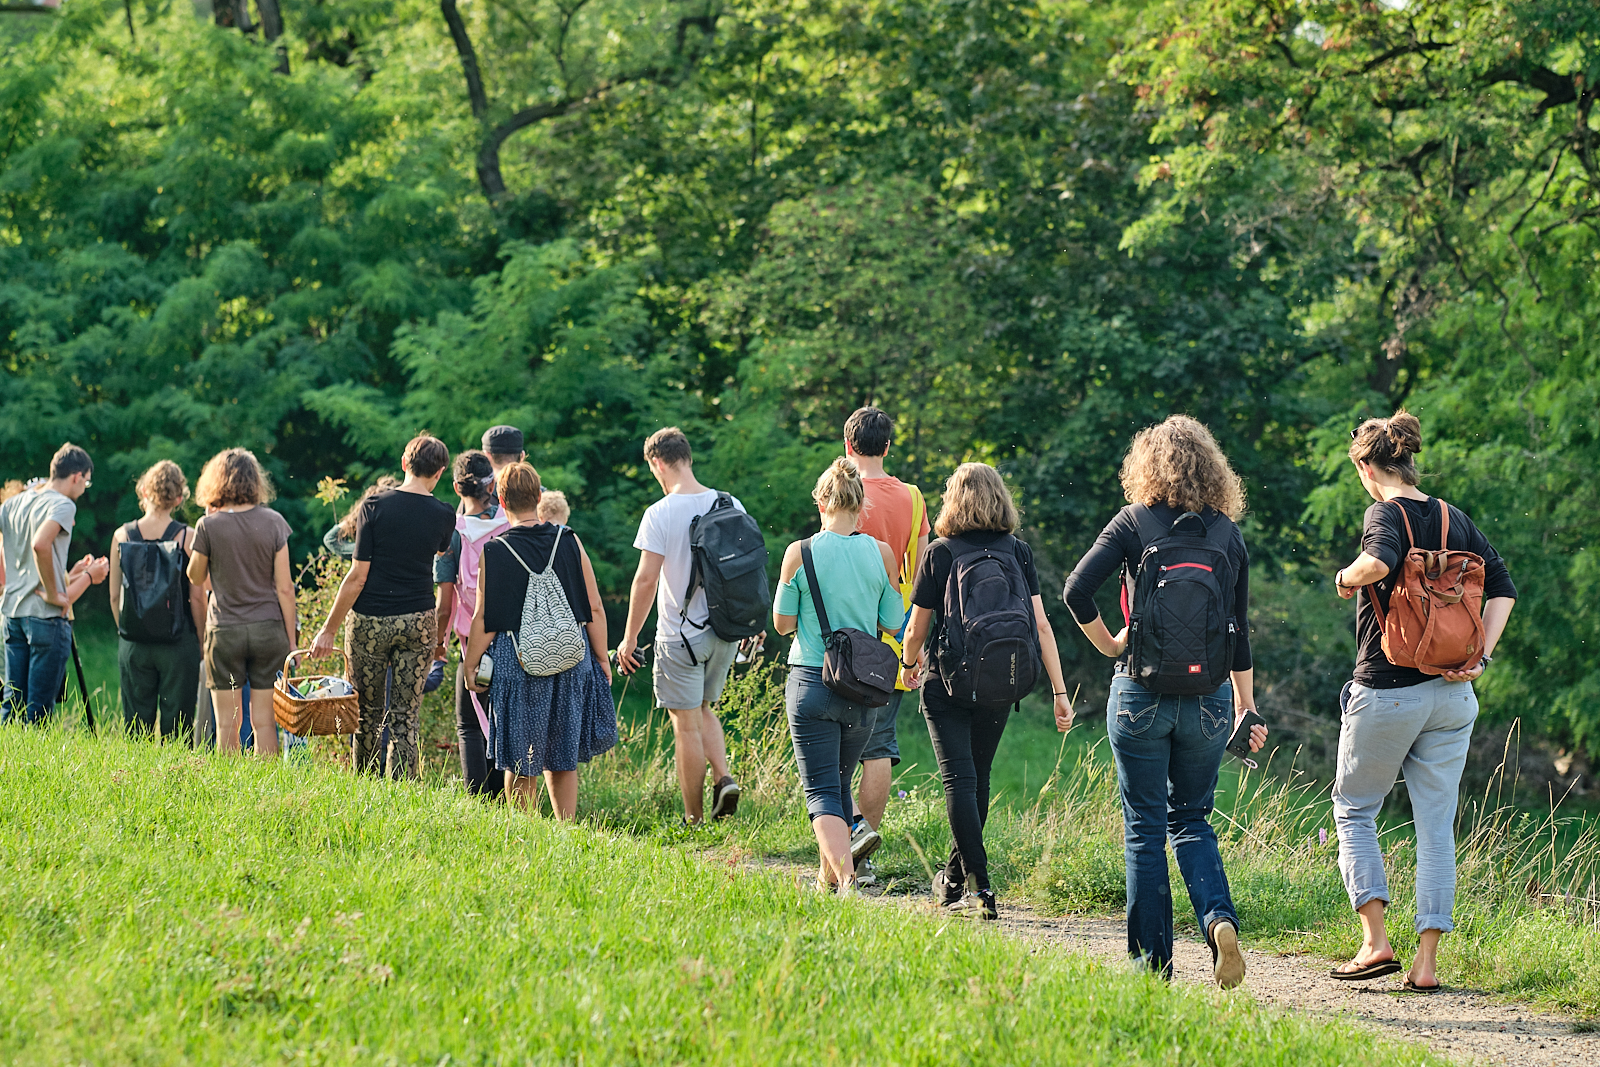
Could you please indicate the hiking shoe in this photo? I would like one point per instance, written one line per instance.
(979, 905)
(724, 797)
(1227, 961)
(863, 843)
(866, 874)
(945, 892)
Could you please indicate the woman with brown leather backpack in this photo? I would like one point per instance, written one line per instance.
(1427, 620)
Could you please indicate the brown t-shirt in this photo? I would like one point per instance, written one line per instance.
(240, 547)
(887, 515)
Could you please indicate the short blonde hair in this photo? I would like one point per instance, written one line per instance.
(233, 476)
(553, 507)
(519, 487)
(839, 487)
(1178, 463)
(162, 486)
(976, 498)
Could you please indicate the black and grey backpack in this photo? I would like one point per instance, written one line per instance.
(730, 562)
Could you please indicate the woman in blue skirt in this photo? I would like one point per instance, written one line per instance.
(540, 724)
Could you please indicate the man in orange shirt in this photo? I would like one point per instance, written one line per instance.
(896, 515)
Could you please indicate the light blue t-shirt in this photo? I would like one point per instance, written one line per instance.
(856, 590)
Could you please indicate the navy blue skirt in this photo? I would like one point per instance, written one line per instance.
(547, 724)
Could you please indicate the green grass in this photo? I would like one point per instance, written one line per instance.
(162, 906)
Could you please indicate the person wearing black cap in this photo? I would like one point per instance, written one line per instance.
(504, 445)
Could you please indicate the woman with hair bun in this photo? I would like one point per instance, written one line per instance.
(159, 672)
(1399, 720)
(859, 581)
(1168, 739)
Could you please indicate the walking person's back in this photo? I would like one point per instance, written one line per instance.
(1183, 676)
(40, 589)
(1401, 715)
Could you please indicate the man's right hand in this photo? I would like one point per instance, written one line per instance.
(628, 659)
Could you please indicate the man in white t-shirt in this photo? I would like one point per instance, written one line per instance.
(691, 661)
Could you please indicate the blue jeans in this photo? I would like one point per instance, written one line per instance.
(829, 734)
(1168, 749)
(36, 664)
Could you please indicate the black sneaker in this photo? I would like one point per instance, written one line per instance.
(863, 843)
(978, 905)
(724, 797)
(945, 892)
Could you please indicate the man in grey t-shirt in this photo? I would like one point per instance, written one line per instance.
(35, 533)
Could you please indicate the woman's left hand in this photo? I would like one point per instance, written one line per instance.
(1063, 708)
(322, 644)
(1464, 676)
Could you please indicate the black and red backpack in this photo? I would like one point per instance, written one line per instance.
(1181, 629)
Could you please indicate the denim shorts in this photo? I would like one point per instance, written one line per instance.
(884, 743)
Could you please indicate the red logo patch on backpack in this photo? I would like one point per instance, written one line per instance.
(1194, 668)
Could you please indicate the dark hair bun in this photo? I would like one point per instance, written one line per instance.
(1405, 432)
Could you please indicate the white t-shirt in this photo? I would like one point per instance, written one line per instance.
(665, 529)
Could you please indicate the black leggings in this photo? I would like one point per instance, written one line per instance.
(965, 738)
(477, 769)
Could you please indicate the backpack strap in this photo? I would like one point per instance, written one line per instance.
(507, 544)
(1411, 540)
(809, 567)
(131, 532)
(919, 509)
(551, 562)
(1444, 525)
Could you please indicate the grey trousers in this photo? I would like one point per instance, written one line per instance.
(1423, 731)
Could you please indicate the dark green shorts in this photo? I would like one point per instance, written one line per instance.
(252, 651)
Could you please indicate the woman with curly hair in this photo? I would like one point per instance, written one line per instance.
(160, 673)
(242, 546)
(1168, 747)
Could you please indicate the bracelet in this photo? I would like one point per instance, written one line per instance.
(1338, 579)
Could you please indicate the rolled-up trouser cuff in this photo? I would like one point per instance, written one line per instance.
(1362, 896)
(1441, 923)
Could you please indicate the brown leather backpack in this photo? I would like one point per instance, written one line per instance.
(1435, 617)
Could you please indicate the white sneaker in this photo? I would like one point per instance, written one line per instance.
(863, 843)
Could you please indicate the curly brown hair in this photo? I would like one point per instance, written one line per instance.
(976, 498)
(1178, 463)
(233, 477)
(162, 486)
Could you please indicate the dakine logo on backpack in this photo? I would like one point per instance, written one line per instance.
(1181, 629)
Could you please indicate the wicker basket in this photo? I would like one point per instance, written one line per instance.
(306, 717)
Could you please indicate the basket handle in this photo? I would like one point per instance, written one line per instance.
(298, 651)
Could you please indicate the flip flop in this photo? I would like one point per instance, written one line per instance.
(1372, 970)
(1411, 987)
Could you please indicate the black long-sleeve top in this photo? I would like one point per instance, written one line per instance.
(1119, 547)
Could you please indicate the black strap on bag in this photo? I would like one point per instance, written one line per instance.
(855, 664)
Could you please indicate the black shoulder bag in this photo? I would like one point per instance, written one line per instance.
(855, 664)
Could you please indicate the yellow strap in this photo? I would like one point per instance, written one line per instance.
(908, 567)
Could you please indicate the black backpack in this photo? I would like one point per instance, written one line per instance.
(153, 605)
(988, 646)
(1181, 630)
(730, 562)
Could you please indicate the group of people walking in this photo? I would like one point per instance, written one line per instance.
(875, 609)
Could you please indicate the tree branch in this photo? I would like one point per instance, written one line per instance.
(469, 59)
(1557, 88)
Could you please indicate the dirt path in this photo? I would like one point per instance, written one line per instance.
(1467, 1025)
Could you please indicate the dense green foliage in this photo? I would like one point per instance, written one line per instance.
(1027, 228)
(322, 917)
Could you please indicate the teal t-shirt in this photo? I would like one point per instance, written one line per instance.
(856, 589)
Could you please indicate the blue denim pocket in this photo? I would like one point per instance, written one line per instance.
(1136, 711)
(1216, 715)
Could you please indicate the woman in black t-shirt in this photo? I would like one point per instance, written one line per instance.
(1168, 746)
(976, 512)
(388, 596)
(539, 725)
(1399, 719)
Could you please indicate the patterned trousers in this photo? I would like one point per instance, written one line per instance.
(375, 643)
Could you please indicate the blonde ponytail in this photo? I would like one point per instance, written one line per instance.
(839, 488)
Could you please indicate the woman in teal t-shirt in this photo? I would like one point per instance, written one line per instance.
(859, 580)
